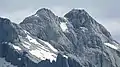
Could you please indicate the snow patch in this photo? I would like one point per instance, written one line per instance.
(65, 56)
(39, 50)
(65, 19)
(19, 59)
(32, 40)
(4, 42)
(14, 46)
(26, 32)
(17, 47)
(36, 15)
(84, 29)
(50, 46)
(64, 26)
(35, 41)
(26, 45)
(111, 46)
(43, 55)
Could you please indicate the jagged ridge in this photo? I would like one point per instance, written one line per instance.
(75, 40)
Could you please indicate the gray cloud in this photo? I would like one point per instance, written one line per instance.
(104, 11)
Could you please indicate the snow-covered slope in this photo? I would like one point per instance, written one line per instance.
(111, 46)
(38, 48)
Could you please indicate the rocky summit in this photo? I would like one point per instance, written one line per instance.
(46, 40)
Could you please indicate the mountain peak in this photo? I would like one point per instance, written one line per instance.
(41, 15)
(76, 13)
(44, 11)
(78, 17)
(77, 10)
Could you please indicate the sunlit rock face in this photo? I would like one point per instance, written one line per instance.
(46, 40)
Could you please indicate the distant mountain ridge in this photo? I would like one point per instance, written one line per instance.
(46, 40)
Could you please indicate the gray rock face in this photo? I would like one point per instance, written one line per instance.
(7, 32)
(46, 40)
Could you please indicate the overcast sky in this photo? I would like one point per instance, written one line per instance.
(106, 12)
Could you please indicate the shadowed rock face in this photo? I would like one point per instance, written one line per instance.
(75, 40)
(7, 32)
